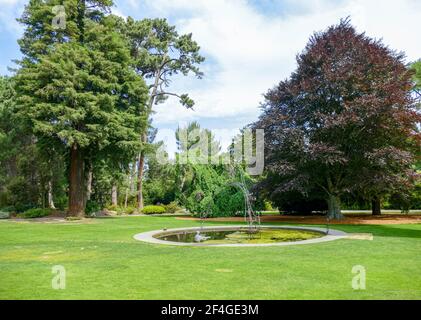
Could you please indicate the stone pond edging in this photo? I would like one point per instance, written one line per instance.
(148, 236)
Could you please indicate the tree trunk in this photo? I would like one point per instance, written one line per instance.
(144, 139)
(77, 191)
(334, 207)
(132, 177)
(77, 187)
(376, 206)
(140, 181)
(126, 198)
(130, 187)
(89, 184)
(114, 198)
(50, 196)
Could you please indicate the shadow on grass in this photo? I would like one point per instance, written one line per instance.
(409, 231)
(393, 231)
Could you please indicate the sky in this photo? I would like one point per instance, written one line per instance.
(249, 46)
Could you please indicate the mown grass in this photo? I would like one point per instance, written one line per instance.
(103, 261)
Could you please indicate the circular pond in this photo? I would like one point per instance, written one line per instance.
(233, 236)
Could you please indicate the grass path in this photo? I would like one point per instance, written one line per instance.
(103, 261)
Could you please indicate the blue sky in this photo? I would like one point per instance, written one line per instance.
(249, 46)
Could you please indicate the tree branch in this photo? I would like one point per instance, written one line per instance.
(162, 93)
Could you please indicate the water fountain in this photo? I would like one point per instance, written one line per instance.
(253, 234)
(251, 217)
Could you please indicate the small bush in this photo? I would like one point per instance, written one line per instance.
(267, 206)
(92, 207)
(24, 207)
(4, 215)
(228, 202)
(153, 210)
(35, 213)
(130, 210)
(9, 209)
(112, 208)
(172, 207)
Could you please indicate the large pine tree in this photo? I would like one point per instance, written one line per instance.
(160, 53)
(76, 86)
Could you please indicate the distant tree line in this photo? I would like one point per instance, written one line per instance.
(76, 133)
(76, 113)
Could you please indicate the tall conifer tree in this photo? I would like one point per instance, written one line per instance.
(76, 86)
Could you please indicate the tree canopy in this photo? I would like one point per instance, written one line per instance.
(79, 88)
(344, 121)
(159, 54)
(77, 131)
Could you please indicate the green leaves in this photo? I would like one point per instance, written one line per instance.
(186, 101)
(160, 53)
(338, 116)
(81, 93)
(40, 33)
(416, 67)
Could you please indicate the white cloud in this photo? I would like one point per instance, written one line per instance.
(167, 136)
(8, 2)
(118, 12)
(249, 50)
(9, 11)
(253, 51)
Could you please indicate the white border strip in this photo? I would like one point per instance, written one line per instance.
(149, 236)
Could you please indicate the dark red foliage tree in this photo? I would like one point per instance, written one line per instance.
(344, 121)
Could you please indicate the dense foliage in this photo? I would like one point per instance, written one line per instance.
(31, 170)
(344, 122)
(77, 89)
(35, 213)
(76, 131)
(204, 185)
(159, 54)
(153, 210)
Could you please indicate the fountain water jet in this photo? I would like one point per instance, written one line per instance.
(251, 217)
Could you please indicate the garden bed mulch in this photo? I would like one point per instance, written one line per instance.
(354, 219)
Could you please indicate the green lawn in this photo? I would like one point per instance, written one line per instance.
(103, 261)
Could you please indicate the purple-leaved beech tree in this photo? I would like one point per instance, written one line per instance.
(344, 122)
